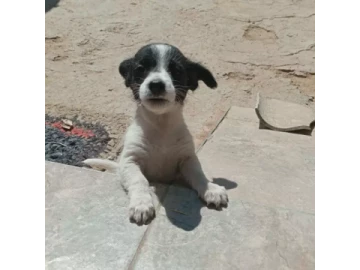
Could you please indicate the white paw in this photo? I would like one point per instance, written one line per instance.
(216, 195)
(142, 210)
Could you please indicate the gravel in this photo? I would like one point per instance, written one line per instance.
(63, 147)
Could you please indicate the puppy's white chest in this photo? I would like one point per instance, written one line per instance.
(162, 162)
(158, 146)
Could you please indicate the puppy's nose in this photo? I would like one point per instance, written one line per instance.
(157, 87)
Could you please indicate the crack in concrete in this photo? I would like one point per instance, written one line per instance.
(281, 256)
(270, 18)
(135, 44)
(247, 32)
(312, 46)
(257, 65)
(296, 73)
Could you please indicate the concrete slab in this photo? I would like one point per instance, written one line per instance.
(87, 225)
(270, 168)
(187, 235)
(270, 221)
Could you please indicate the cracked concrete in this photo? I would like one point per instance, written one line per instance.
(272, 18)
(268, 224)
(86, 40)
(310, 48)
(281, 256)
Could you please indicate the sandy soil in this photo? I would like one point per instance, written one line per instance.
(250, 46)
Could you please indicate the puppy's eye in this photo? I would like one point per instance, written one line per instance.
(174, 69)
(140, 69)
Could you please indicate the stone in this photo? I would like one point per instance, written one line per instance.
(87, 224)
(56, 155)
(187, 235)
(270, 220)
(271, 168)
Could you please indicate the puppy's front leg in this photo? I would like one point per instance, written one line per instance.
(141, 209)
(211, 193)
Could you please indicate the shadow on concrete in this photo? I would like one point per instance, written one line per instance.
(227, 184)
(49, 4)
(183, 206)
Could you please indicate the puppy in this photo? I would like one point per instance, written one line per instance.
(158, 146)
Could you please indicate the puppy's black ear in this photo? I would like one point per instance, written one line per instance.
(126, 70)
(197, 72)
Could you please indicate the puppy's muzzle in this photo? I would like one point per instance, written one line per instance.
(157, 88)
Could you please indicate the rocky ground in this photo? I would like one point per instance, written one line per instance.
(251, 46)
(74, 144)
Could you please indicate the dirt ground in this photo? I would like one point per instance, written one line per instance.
(250, 46)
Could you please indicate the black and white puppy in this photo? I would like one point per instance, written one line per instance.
(158, 146)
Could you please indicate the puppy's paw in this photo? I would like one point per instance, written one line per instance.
(142, 210)
(216, 196)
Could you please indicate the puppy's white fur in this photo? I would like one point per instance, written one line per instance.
(158, 147)
(159, 74)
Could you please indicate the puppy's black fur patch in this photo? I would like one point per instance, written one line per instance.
(184, 73)
(197, 72)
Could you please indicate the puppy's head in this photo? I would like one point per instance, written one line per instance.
(160, 76)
